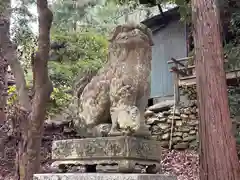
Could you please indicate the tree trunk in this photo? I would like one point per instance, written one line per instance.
(3, 88)
(3, 102)
(43, 89)
(4, 24)
(218, 155)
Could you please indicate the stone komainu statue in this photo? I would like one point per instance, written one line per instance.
(120, 90)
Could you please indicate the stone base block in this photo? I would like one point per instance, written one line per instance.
(102, 176)
(124, 154)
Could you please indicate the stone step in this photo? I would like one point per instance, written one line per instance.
(102, 176)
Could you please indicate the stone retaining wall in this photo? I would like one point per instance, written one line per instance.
(184, 123)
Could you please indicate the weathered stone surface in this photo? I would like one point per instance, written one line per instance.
(154, 133)
(187, 111)
(192, 132)
(148, 113)
(124, 146)
(175, 117)
(163, 119)
(161, 106)
(166, 136)
(194, 110)
(177, 134)
(193, 123)
(124, 151)
(102, 176)
(164, 126)
(193, 144)
(181, 146)
(166, 113)
(164, 143)
(184, 116)
(193, 103)
(160, 115)
(156, 130)
(190, 138)
(176, 112)
(153, 120)
(155, 137)
(179, 123)
(167, 130)
(120, 90)
(192, 117)
(185, 125)
(169, 121)
(176, 139)
(57, 121)
(184, 129)
(185, 135)
(102, 130)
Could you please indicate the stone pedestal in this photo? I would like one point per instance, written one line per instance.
(124, 154)
(102, 176)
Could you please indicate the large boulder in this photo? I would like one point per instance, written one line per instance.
(161, 106)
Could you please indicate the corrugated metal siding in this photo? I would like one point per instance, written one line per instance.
(168, 42)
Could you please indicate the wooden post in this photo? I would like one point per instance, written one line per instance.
(176, 99)
(176, 86)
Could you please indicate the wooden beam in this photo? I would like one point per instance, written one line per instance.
(187, 82)
(177, 62)
(176, 70)
(231, 78)
(184, 68)
(180, 60)
(233, 74)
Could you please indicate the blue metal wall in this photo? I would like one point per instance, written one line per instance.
(168, 42)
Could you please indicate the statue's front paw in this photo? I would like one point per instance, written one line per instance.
(114, 133)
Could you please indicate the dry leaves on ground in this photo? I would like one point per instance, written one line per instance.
(183, 164)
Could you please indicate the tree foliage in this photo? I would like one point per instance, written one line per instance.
(70, 12)
(84, 51)
(85, 35)
(83, 27)
(232, 48)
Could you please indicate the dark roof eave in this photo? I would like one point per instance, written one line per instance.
(158, 22)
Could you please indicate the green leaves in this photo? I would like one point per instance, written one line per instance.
(235, 23)
(59, 100)
(85, 51)
(234, 100)
(67, 14)
(12, 95)
(232, 49)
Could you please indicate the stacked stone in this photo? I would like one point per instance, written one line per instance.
(189, 91)
(185, 125)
